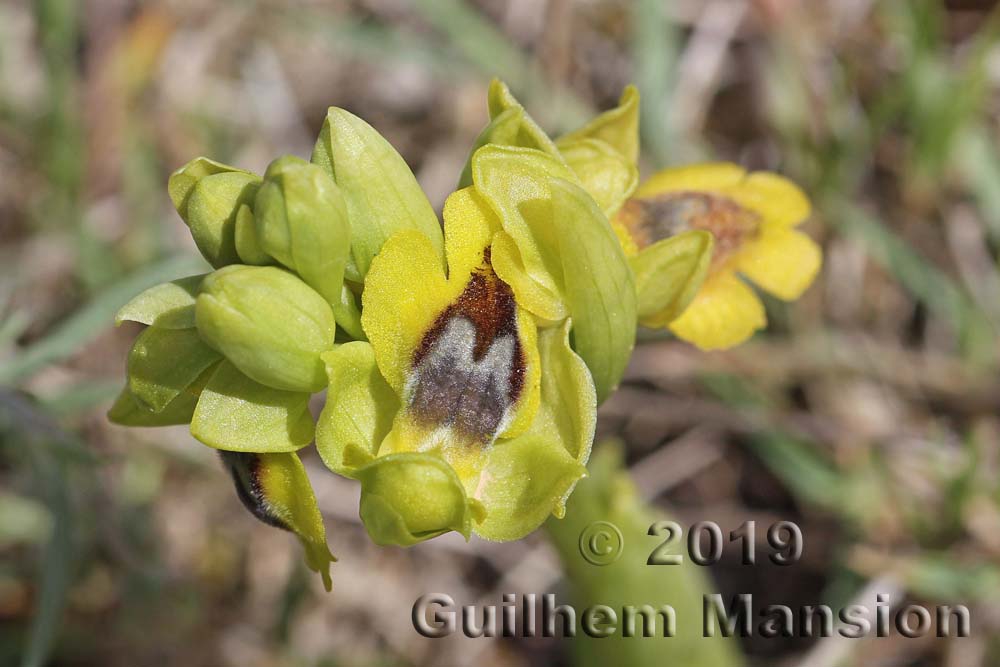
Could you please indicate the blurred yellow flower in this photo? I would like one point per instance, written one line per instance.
(752, 219)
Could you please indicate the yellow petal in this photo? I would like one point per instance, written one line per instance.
(725, 313)
(777, 200)
(405, 290)
(525, 409)
(603, 172)
(459, 351)
(710, 176)
(530, 294)
(783, 262)
(470, 225)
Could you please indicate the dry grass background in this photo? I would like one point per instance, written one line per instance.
(867, 412)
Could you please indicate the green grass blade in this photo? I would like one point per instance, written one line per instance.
(93, 318)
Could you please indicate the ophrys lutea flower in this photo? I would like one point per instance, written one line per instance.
(751, 218)
(478, 415)
(688, 232)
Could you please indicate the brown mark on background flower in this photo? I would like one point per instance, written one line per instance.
(652, 219)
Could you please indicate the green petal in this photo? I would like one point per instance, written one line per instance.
(597, 283)
(247, 243)
(515, 182)
(127, 411)
(276, 490)
(604, 173)
(165, 306)
(618, 127)
(211, 210)
(668, 275)
(163, 363)
(360, 406)
(237, 414)
(408, 498)
(380, 192)
(301, 221)
(531, 476)
(269, 323)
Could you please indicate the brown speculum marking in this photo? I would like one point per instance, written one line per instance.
(654, 218)
(469, 368)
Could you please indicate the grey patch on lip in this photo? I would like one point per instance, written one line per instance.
(674, 214)
(450, 388)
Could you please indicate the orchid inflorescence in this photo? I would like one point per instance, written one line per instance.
(463, 362)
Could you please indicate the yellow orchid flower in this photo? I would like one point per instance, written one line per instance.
(724, 222)
(460, 413)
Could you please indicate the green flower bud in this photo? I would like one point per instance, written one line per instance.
(301, 221)
(380, 192)
(247, 243)
(208, 195)
(164, 363)
(270, 324)
(409, 498)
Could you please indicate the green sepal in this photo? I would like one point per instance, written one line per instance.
(531, 476)
(126, 411)
(207, 196)
(380, 192)
(597, 284)
(530, 135)
(411, 497)
(360, 407)
(235, 413)
(510, 125)
(247, 243)
(618, 127)
(276, 490)
(164, 306)
(302, 222)
(604, 173)
(270, 324)
(164, 363)
(668, 274)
